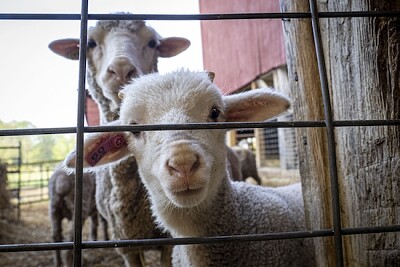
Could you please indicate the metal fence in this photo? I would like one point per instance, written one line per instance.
(26, 182)
(328, 123)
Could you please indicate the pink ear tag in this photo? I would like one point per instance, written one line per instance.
(103, 147)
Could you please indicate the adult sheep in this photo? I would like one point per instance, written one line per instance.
(61, 205)
(184, 171)
(117, 51)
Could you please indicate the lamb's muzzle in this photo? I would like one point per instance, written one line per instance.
(186, 172)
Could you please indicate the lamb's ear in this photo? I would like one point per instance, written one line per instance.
(101, 149)
(211, 75)
(68, 48)
(255, 105)
(172, 46)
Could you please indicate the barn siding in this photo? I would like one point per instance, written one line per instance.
(238, 51)
(92, 112)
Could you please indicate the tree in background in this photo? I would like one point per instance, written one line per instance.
(35, 148)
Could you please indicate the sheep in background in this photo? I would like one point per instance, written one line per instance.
(61, 194)
(234, 166)
(118, 51)
(185, 175)
(4, 194)
(248, 163)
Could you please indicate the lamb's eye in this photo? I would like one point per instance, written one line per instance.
(152, 43)
(91, 43)
(135, 133)
(214, 113)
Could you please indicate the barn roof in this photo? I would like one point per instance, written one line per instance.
(238, 51)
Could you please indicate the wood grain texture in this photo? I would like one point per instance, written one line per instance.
(362, 56)
(312, 142)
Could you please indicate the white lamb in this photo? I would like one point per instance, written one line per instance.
(118, 51)
(186, 178)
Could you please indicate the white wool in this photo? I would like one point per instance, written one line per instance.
(185, 174)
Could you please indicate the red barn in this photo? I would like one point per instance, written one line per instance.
(239, 51)
(247, 54)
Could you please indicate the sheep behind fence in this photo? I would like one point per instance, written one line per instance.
(185, 175)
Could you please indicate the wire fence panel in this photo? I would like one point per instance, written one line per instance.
(329, 124)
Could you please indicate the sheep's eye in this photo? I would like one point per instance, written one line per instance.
(214, 114)
(152, 43)
(91, 43)
(135, 133)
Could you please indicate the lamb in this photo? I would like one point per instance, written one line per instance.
(248, 163)
(185, 176)
(118, 51)
(61, 194)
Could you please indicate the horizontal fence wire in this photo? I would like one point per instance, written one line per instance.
(202, 126)
(197, 240)
(233, 16)
(78, 245)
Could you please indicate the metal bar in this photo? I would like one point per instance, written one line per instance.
(166, 241)
(79, 136)
(197, 240)
(330, 130)
(19, 163)
(231, 16)
(194, 126)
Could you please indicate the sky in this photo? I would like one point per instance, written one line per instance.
(41, 87)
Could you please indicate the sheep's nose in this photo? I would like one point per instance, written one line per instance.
(122, 69)
(183, 166)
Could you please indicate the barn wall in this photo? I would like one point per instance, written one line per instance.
(92, 112)
(238, 51)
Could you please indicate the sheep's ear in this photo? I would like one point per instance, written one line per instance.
(68, 48)
(172, 46)
(211, 75)
(255, 105)
(101, 149)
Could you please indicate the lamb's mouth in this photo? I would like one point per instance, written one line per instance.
(188, 192)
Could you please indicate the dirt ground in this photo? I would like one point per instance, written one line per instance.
(34, 227)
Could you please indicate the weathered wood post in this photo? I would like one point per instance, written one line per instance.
(362, 57)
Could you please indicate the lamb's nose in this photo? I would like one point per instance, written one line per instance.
(122, 70)
(183, 166)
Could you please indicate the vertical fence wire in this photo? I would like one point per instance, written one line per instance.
(330, 130)
(79, 136)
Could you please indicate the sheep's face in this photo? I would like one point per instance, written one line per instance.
(180, 167)
(185, 167)
(117, 51)
(118, 54)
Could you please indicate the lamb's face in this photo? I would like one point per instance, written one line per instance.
(119, 54)
(185, 166)
(181, 168)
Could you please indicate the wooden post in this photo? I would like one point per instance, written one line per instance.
(231, 138)
(311, 142)
(362, 56)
